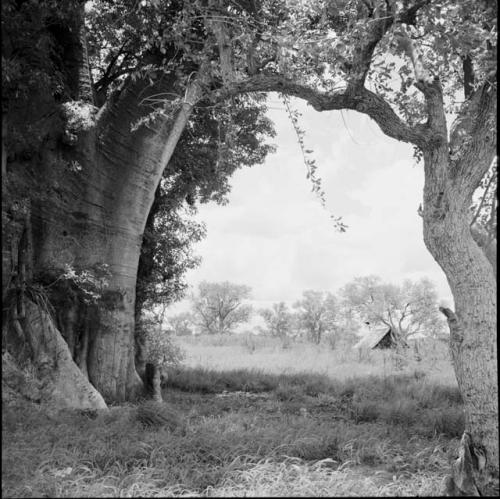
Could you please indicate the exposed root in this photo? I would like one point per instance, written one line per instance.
(468, 474)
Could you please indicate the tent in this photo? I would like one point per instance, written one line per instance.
(377, 338)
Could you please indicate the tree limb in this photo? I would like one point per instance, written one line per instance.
(473, 138)
(361, 100)
(381, 21)
(483, 198)
(428, 85)
(468, 76)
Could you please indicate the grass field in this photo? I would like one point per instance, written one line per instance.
(267, 354)
(251, 421)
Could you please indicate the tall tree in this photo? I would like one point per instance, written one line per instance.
(219, 307)
(89, 158)
(413, 67)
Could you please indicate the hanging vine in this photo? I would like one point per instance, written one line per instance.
(310, 163)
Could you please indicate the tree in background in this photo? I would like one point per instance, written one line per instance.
(198, 172)
(407, 309)
(219, 307)
(316, 314)
(181, 324)
(279, 322)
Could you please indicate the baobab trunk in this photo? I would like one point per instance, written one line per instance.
(98, 217)
(90, 188)
(473, 325)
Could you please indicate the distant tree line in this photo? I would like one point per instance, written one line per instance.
(408, 309)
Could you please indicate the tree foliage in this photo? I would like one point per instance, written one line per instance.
(408, 309)
(181, 324)
(278, 320)
(34, 82)
(219, 307)
(316, 312)
(159, 349)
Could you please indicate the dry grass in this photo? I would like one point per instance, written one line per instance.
(267, 354)
(226, 447)
(242, 433)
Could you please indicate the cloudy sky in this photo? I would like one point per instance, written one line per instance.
(274, 235)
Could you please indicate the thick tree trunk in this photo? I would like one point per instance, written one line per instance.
(473, 325)
(91, 189)
(98, 217)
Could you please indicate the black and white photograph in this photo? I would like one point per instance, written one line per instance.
(249, 248)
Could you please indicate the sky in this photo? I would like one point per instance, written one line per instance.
(275, 236)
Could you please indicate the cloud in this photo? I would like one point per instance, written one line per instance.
(275, 237)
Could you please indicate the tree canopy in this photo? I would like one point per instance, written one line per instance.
(408, 309)
(316, 314)
(219, 307)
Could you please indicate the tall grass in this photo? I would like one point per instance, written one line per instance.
(233, 352)
(265, 447)
(249, 430)
(405, 399)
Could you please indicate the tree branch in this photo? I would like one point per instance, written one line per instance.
(361, 100)
(483, 198)
(382, 20)
(473, 138)
(382, 17)
(219, 29)
(468, 76)
(428, 85)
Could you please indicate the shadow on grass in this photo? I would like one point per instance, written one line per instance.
(407, 399)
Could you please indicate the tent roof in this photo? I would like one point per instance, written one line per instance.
(370, 339)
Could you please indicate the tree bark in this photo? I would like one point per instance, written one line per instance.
(473, 327)
(152, 382)
(98, 217)
(91, 189)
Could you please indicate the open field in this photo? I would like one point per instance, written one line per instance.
(251, 431)
(267, 354)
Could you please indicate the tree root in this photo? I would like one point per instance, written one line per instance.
(468, 472)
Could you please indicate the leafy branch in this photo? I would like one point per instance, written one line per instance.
(310, 163)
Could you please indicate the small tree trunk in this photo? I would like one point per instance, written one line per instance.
(152, 382)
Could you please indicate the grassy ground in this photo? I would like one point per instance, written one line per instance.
(267, 354)
(243, 432)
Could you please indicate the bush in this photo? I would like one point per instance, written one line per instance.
(159, 348)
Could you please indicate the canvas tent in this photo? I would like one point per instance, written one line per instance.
(377, 338)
